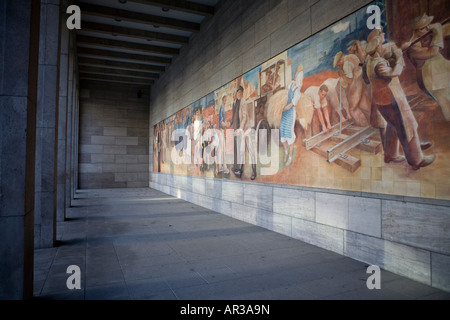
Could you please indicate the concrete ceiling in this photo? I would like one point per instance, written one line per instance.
(135, 41)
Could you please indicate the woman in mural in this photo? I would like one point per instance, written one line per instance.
(186, 138)
(287, 134)
(285, 107)
(432, 69)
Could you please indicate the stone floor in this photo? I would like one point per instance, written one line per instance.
(144, 244)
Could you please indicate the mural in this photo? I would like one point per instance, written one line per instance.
(357, 106)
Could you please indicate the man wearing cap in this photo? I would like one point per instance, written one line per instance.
(389, 99)
(432, 69)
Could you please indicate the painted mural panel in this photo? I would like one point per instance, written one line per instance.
(363, 105)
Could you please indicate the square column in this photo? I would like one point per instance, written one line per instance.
(69, 120)
(62, 116)
(46, 126)
(19, 49)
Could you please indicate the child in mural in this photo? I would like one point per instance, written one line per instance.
(318, 96)
(389, 100)
(432, 69)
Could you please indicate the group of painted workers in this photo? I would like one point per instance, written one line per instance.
(370, 76)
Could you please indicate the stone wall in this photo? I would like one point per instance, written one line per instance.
(113, 150)
(406, 235)
(399, 234)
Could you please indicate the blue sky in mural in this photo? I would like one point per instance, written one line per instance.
(252, 76)
(316, 54)
(210, 100)
(199, 104)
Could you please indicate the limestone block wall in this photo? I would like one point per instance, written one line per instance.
(113, 151)
(403, 234)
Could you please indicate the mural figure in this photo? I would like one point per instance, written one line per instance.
(318, 96)
(189, 149)
(288, 116)
(432, 69)
(350, 72)
(204, 142)
(358, 48)
(220, 139)
(198, 126)
(158, 145)
(336, 99)
(235, 124)
(246, 139)
(164, 139)
(389, 99)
